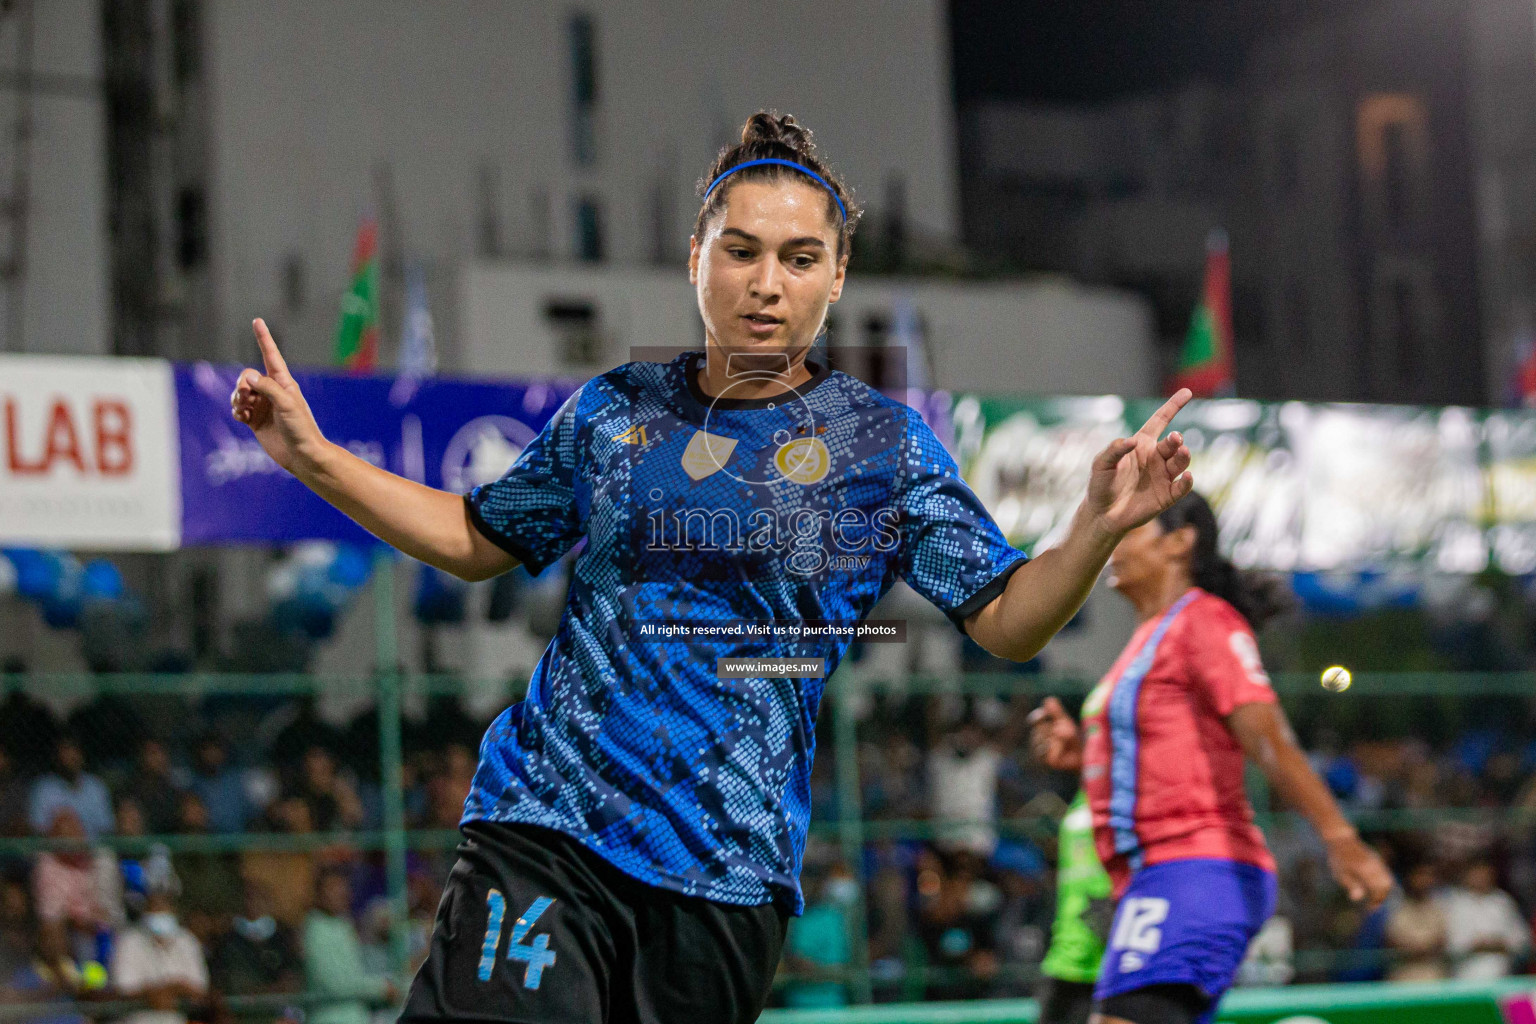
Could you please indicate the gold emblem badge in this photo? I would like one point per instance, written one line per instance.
(706, 453)
(804, 460)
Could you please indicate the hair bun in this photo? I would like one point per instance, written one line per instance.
(769, 126)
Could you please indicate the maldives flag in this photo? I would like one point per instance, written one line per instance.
(357, 332)
(1205, 363)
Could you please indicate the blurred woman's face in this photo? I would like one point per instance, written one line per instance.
(1138, 557)
(1146, 554)
(767, 268)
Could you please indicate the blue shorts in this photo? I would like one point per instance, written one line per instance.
(1186, 922)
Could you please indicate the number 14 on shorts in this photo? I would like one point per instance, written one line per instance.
(536, 954)
(1136, 930)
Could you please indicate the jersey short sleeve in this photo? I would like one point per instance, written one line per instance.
(952, 551)
(1223, 657)
(531, 512)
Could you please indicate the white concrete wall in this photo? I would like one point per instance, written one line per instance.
(66, 293)
(1033, 337)
(305, 99)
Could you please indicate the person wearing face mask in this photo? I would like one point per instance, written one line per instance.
(259, 954)
(158, 963)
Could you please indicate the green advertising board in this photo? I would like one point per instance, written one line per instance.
(1298, 486)
(1449, 1002)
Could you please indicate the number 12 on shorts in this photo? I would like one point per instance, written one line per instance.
(536, 954)
(1137, 931)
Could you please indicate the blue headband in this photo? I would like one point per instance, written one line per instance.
(782, 163)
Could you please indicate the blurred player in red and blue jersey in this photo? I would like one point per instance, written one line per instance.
(1161, 752)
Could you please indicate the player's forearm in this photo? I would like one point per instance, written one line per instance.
(425, 523)
(1042, 596)
(1267, 739)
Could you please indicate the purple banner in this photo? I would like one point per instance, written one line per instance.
(446, 433)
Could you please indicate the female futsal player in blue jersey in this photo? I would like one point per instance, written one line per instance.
(633, 838)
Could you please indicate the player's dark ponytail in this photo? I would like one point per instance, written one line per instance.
(768, 135)
(1259, 597)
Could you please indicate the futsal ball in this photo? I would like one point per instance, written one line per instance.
(1336, 678)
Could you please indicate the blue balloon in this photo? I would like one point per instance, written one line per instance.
(102, 580)
(37, 572)
(352, 566)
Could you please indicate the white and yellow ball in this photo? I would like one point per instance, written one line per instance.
(1336, 678)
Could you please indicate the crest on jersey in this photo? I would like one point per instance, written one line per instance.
(804, 460)
(706, 453)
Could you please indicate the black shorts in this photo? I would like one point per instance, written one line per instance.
(1156, 1004)
(534, 927)
(1065, 1002)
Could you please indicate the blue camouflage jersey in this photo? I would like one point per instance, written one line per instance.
(801, 508)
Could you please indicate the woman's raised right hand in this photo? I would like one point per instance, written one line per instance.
(272, 405)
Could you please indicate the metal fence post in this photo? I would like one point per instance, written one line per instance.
(850, 810)
(391, 775)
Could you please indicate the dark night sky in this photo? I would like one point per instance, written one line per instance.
(1083, 50)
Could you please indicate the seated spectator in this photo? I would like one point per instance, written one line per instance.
(817, 950)
(220, 787)
(449, 787)
(1484, 931)
(159, 963)
(1416, 929)
(333, 802)
(51, 975)
(957, 922)
(70, 785)
(333, 959)
(259, 954)
(77, 892)
(289, 875)
(210, 881)
(13, 797)
(153, 786)
(962, 786)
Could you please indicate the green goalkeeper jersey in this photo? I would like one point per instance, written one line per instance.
(1084, 905)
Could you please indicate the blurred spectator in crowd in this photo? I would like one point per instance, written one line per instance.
(962, 789)
(1023, 920)
(153, 786)
(17, 927)
(817, 950)
(51, 975)
(1484, 931)
(449, 787)
(77, 892)
(13, 797)
(1269, 960)
(956, 921)
(259, 954)
(219, 786)
(70, 785)
(210, 879)
(333, 959)
(289, 875)
(29, 728)
(332, 801)
(159, 963)
(1416, 928)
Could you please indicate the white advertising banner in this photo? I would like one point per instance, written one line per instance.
(88, 454)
